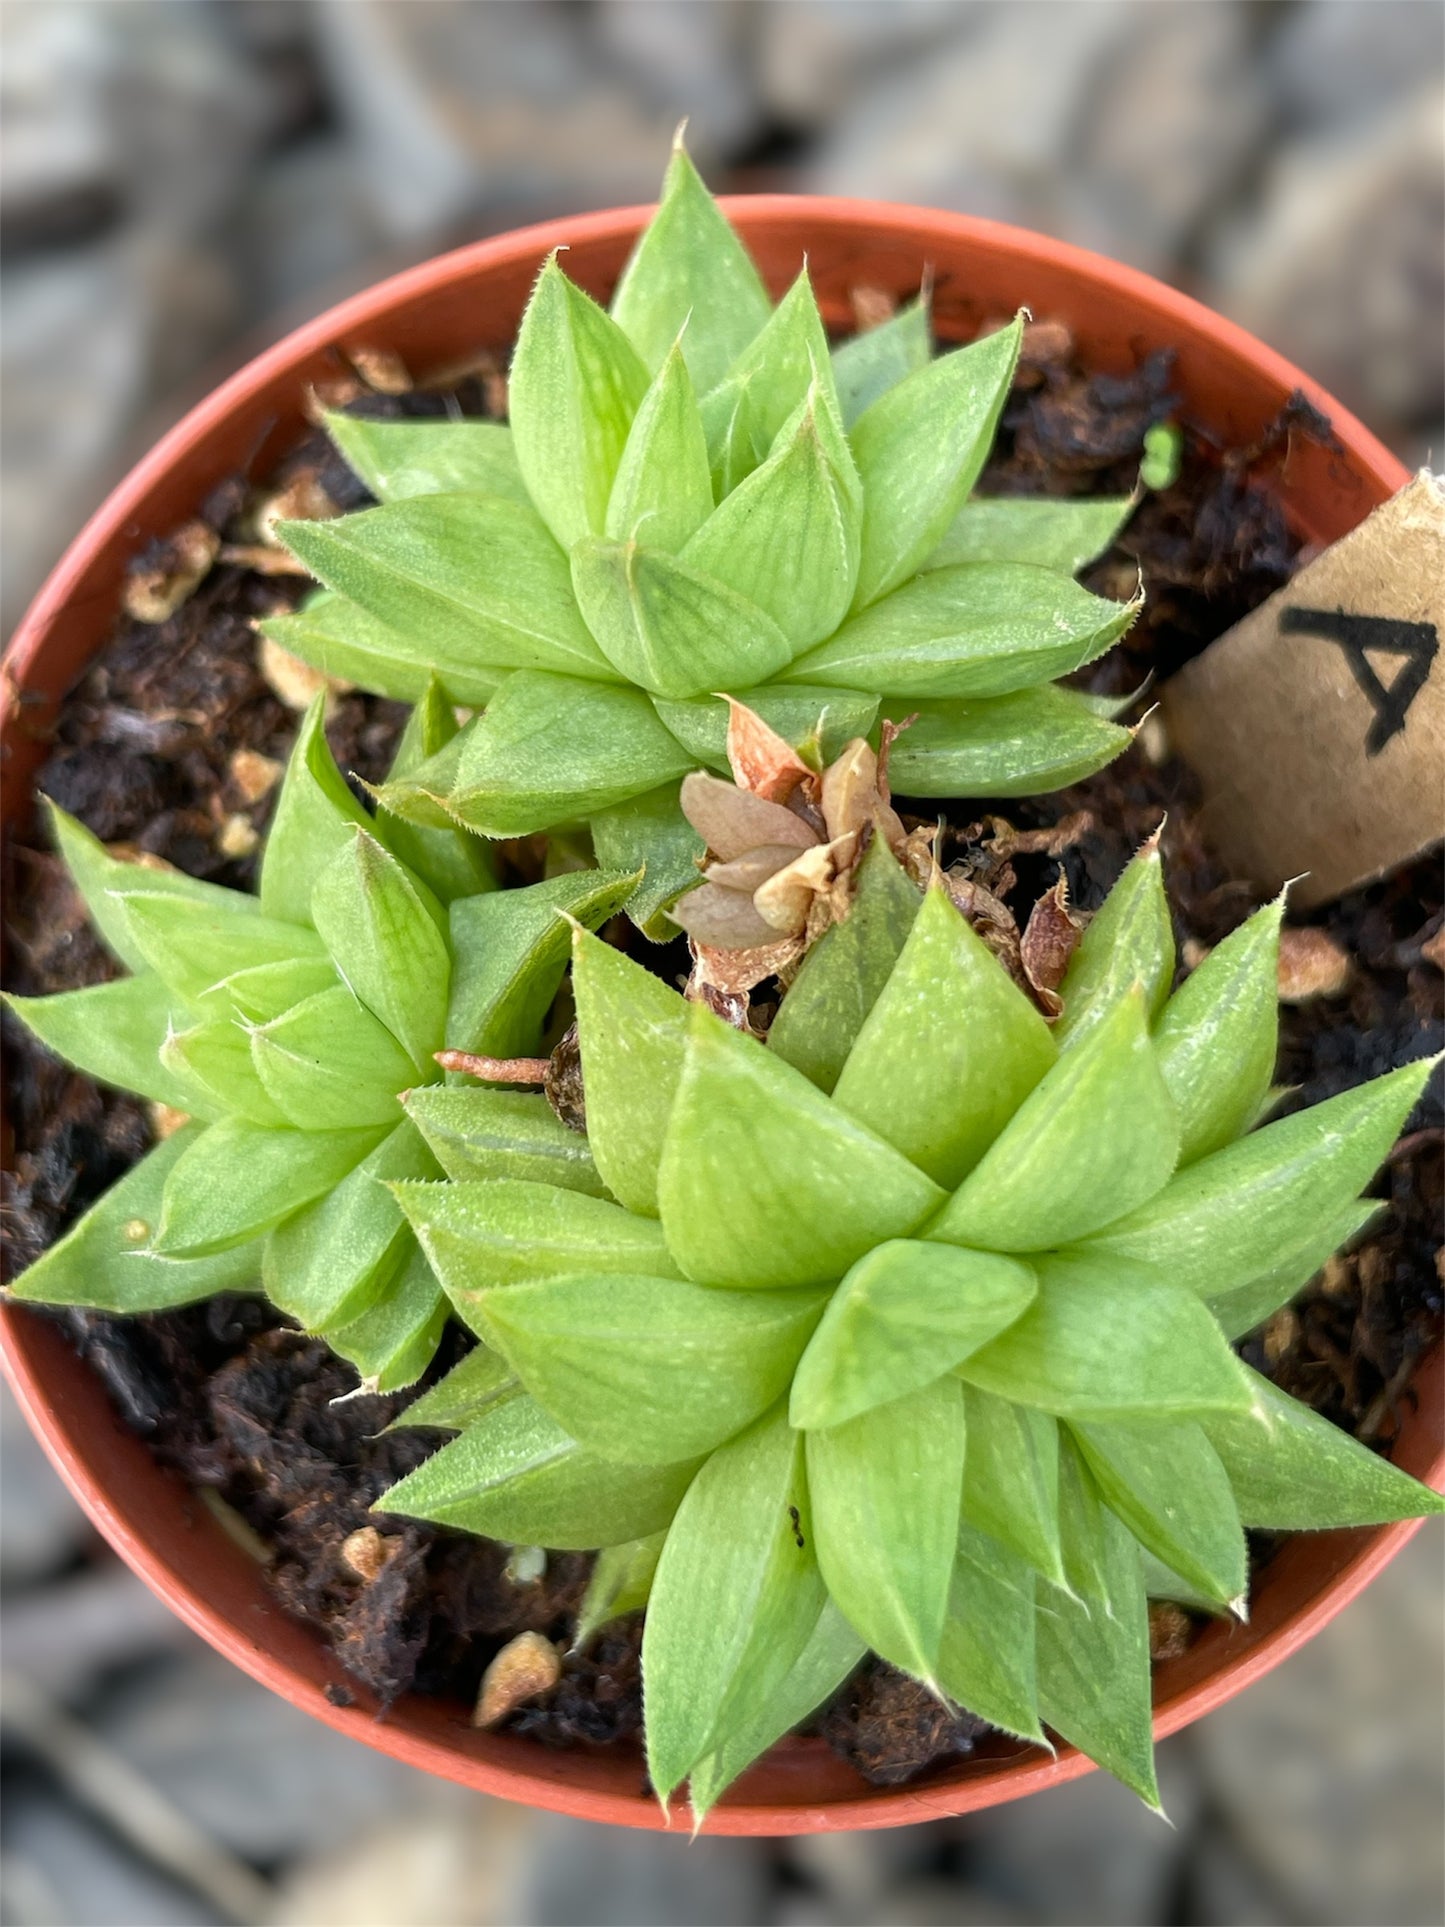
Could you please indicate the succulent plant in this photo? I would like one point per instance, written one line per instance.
(907, 1330)
(284, 1027)
(696, 495)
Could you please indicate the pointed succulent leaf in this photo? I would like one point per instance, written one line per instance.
(621, 1583)
(505, 1231)
(193, 943)
(667, 625)
(721, 1635)
(1081, 1528)
(787, 537)
(1026, 744)
(451, 862)
(886, 1489)
(515, 1475)
(1093, 1669)
(1097, 1135)
(213, 1065)
(457, 1401)
(1292, 1471)
(650, 1369)
(663, 490)
(843, 975)
(1229, 1214)
(1219, 1035)
(905, 1313)
(1011, 1478)
(920, 448)
(115, 1032)
(509, 954)
(237, 1180)
(1041, 530)
(262, 991)
(425, 795)
(481, 1133)
(1240, 1310)
(1129, 942)
(981, 629)
(316, 815)
(555, 749)
(764, 1182)
(329, 1264)
(1166, 1483)
(1105, 1339)
(340, 638)
(1162, 1583)
(394, 1340)
(475, 583)
(106, 882)
(384, 931)
(949, 1051)
(831, 1654)
(633, 1032)
(327, 1064)
(399, 459)
(576, 383)
(870, 364)
(105, 1260)
(986, 1656)
(649, 836)
(690, 274)
(801, 714)
(744, 414)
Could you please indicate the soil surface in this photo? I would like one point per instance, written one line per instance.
(157, 750)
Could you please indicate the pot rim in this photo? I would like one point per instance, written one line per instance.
(520, 1773)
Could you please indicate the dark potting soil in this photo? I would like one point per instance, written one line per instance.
(155, 750)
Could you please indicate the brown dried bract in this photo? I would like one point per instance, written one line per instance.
(759, 758)
(991, 919)
(1050, 938)
(526, 1667)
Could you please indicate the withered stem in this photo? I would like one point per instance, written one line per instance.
(496, 1070)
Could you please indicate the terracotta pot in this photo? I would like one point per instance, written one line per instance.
(435, 314)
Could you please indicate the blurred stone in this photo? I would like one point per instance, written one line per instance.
(41, 1526)
(63, 1635)
(1089, 1851)
(1224, 1886)
(308, 234)
(1343, 269)
(1341, 60)
(86, 1872)
(1330, 1770)
(255, 1773)
(854, 1871)
(581, 1875)
(814, 54)
(685, 59)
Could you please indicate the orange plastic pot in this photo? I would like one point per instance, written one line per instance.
(1232, 387)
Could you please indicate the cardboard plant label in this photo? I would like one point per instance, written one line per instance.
(1317, 724)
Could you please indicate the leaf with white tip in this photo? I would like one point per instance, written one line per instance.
(394, 1340)
(213, 1065)
(690, 274)
(801, 714)
(949, 1051)
(1096, 1136)
(316, 815)
(744, 414)
(663, 490)
(1130, 941)
(1166, 1483)
(384, 931)
(869, 364)
(1043, 530)
(721, 1635)
(340, 638)
(515, 1475)
(1011, 1478)
(104, 1261)
(1246, 1306)
(844, 974)
(1219, 1035)
(1292, 1471)
(621, 1583)
(468, 1390)
(262, 991)
(650, 1368)
(477, 1132)
(399, 459)
(1251, 1204)
(192, 943)
(986, 1657)
(1026, 744)
(555, 749)
(886, 1489)
(474, 583)
(327, 1064)
(1106, 1339)
(920, 448)
(763, 1181)
(115, 1032)
(667, 625)
(981, 629)
(238, 1180)
(905, 1313)
(450, 862)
